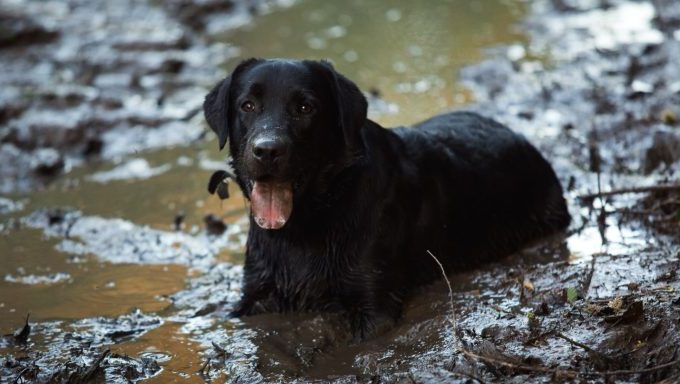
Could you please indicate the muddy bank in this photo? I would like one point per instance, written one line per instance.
(612, 94)
(82, 83)
(599, 97)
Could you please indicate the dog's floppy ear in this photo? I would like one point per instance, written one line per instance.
(351, 105)
(216, 110)
(216, 103)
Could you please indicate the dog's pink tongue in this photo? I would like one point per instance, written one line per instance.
(271, 204)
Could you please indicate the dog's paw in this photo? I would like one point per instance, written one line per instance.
(247, 308)
(366, 325)
(242, 308)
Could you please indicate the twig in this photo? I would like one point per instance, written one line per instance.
(533, 368)
(220, 351)
(634, 371)
(579, 344)
(19, 377)
(501, 310)
(621, 191)
(89, 374)
(508, 364)
(534, 339)
(202, 371)
(589, 279)
(614, 324)
(448, 283)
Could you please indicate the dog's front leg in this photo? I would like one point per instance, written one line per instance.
(257, 287)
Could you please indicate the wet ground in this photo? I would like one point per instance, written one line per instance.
(105, 234)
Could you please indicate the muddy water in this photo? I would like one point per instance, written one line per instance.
(410, 52)
(50, 284)
(87, 255)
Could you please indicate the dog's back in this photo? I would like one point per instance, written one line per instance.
(486, 192)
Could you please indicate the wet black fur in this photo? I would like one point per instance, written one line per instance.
(369, 201)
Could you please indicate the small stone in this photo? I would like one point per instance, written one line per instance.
(214, 225)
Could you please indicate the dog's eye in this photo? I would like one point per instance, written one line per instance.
(305, 109)
(248, 106)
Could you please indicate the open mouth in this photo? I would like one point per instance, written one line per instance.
(271, 202)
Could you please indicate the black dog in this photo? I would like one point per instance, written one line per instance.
(343, 210)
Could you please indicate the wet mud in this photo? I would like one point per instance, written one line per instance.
(106, 80)
(595, 86)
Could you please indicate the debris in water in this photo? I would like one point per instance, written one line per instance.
(214, 225)
(178, 223)
(22, 336)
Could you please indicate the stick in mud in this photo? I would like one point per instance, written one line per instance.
(448, 283)
(621, 191)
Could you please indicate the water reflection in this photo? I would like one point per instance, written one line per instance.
(408, 51)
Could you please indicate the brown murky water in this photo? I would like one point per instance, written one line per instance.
(84, 286)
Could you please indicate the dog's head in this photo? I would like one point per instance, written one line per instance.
(290, 125)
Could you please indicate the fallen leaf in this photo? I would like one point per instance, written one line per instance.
(616, 304)
(572, 294)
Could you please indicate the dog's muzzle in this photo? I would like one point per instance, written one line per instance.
(271, 196)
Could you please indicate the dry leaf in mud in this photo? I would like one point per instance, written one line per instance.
(599, 310)
(616, 304)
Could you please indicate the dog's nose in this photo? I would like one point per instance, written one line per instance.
(268, 150)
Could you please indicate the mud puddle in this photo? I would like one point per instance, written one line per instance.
(106, 244)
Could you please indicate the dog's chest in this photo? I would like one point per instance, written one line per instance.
(299, 289)
(303, 275)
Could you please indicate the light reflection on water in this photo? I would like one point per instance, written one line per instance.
(612, 239)
(619, 240)
(409, 51)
